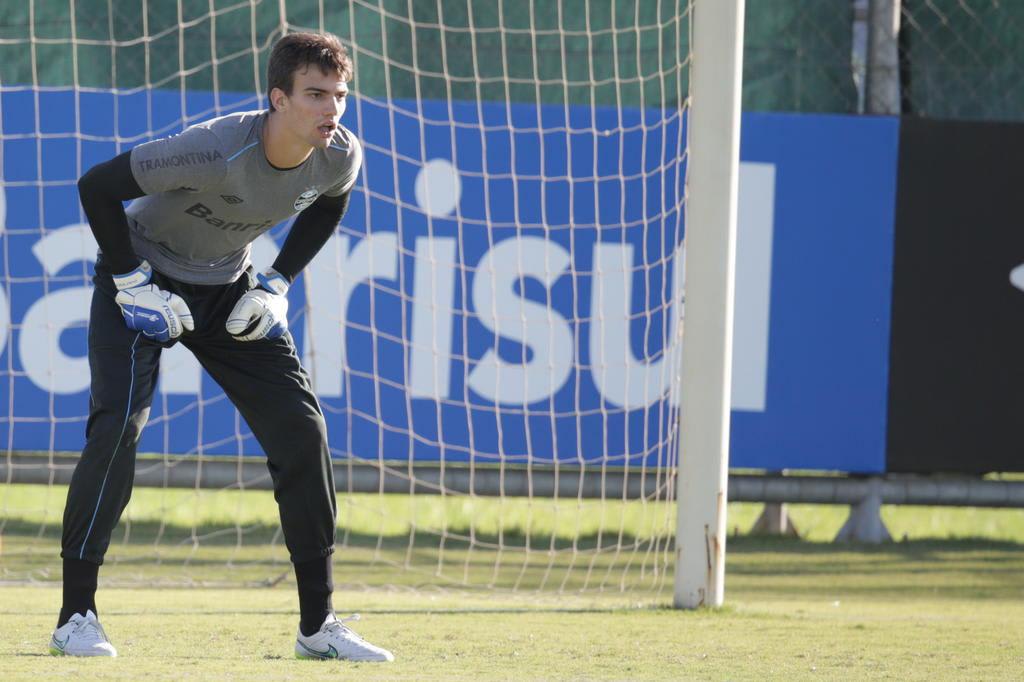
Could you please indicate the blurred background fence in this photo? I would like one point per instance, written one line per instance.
(962, 59)
(957, 58)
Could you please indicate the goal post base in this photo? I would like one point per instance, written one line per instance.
(774, 521)
(865, 521)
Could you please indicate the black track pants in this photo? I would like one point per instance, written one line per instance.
(265, 381)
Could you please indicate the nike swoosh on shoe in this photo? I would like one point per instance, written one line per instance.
(330, 653)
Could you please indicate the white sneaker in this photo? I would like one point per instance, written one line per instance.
(81, 636)
(335, 640)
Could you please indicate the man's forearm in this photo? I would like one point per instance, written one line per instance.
(309, 233)
(102, 191)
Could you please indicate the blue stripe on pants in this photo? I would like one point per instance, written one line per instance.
(127, 414)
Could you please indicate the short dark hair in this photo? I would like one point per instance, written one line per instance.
(296, 50)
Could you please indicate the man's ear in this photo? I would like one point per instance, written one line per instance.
(279, 99)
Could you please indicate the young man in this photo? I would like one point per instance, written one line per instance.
(174, 267)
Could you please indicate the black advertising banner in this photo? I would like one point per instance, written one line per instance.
(956, 391)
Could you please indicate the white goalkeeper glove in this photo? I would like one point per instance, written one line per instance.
(261, 313)
(158, 314)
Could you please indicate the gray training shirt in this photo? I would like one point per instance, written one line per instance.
(210, 191)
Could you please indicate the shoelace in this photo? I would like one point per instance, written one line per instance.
(339, 624)
(91, 631)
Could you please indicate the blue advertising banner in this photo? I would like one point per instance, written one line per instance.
(505, 285)
(831, 288)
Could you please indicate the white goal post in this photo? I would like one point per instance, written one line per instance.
(712, 177)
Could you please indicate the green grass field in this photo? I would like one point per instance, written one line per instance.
(198, 587)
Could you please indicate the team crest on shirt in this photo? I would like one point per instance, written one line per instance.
(306, 198)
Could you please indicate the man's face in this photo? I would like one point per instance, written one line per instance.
(315, 105)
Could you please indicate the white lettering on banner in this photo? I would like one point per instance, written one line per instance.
(438, 188)
(1017, 277)
(180, 372)
(751, 315)
(60, 248)
(625, 381)
(545, 336)
(44, 362)
(537, 327)
(432, 299)
(331, 279)
(620, 377)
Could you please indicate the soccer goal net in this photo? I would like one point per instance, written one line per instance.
(493, 331)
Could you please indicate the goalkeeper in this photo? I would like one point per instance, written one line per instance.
(174, 267)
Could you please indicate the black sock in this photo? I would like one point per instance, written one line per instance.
(79, 589)
(316, 584)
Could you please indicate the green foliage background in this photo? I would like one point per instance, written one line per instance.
(630, 52)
